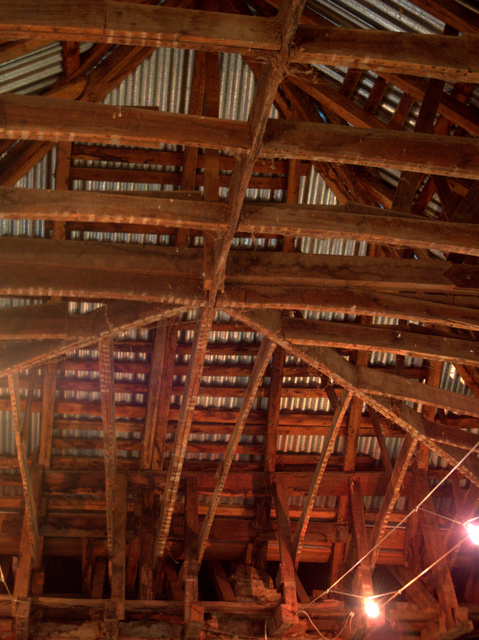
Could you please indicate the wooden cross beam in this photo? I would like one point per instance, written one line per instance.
(105, 321)
(24, 117)
(256, 36)
(393, 339)
(355, 221)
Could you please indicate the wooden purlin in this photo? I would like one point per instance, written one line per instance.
(81, 122)
(107, 69)
(356, 221)
(107, 320)
(392, 494)
(402, 340)
(175, 27)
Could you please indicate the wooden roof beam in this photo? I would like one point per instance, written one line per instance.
(453, 13)
(392, 494)
(406, 340)
(105, 356)
(263, 99)
(366, 385)
(262, 360)
(363, 575)
(24, 117)
(420, 307)
(134, 24)
(170, 274)
(84, 206)
(286, 24)
(106, 321)
(18, 425)
(327, 449)
(185, 418)
(157, 382)
(443, 57)
(360, 222)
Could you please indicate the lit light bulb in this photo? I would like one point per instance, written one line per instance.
(371, 608)
(473, 531)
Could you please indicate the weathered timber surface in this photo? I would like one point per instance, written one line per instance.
(41, 118)
(136, 24)
(443, 57)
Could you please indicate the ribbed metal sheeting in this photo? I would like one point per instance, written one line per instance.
(163, 82)
(34, 72)
(391, 15)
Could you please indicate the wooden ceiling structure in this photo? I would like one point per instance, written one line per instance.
(138, 510)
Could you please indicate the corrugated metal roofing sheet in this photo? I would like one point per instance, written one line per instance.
(164, 81)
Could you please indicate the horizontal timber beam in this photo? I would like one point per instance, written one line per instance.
(420, 152)
(405, 340)
(107, 320)
(136, 24)
(83, 206)
(454, 59)
(173, 274)
(449, 311)
(106, 21)
(386, 274)
(359, 222)
(41, 118)
(355, 221)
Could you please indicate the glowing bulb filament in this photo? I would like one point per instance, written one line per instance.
(371, 608)
(473, 531)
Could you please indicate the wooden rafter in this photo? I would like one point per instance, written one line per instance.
(18, 426)
(105, 356)
(262, 359)
(345, 373)
(195, 369)
(327, 127)
(318, 474)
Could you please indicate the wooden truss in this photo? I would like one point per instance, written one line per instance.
(172, 508)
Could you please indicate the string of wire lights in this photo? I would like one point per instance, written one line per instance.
(473, 531)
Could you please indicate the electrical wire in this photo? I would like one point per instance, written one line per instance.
(2, 579)
(338, 634)
(424, 571)
(379, 543)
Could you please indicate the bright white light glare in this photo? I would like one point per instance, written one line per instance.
(371, 608)
(473, 531)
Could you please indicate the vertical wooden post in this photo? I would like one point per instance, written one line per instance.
(193, 611)
(286, 615)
